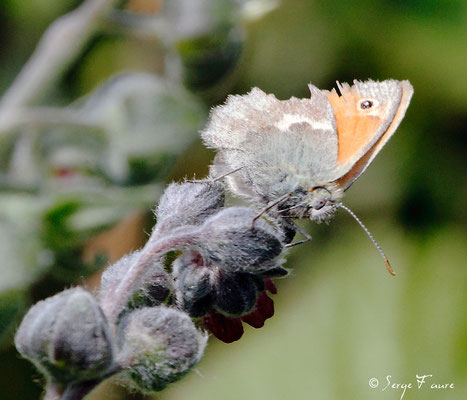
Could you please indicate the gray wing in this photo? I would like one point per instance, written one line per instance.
(280, 145)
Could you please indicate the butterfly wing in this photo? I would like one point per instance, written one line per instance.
(279, 145)
(282, 145)
(367, 115)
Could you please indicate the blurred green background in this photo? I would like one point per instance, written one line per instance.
(340, 318)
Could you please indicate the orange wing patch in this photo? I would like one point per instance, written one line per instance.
(363, 162)
(356, 129)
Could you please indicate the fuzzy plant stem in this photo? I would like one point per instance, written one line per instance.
(75, 391)
(53, 391)
(78, 391)
(114, 302)
(57, 49)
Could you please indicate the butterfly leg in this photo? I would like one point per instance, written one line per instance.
(212, 180)
(269, 206)
(303, 232)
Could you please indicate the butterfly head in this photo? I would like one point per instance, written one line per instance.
(322, 202)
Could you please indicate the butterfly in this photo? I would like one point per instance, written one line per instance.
(297, 157)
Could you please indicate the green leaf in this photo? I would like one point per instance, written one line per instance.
(13, 304)
(148, 122)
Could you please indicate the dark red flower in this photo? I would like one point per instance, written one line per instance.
(230, 329)
(224, 328)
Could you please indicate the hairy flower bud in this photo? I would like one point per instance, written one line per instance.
(188, 204)
(158, 345)
(237, 243)
(193, 284)
(152, 290)
(157, 286)
(235, 294)
(199, 288)
(67, 336)
(274, 272)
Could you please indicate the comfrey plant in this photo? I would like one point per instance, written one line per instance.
(148, 323)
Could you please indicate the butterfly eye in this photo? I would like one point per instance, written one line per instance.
(366, 104)
(318, 204)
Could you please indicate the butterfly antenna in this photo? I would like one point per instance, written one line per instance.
(226, 174)
(339, 88)
(212, 180)
(386, 261)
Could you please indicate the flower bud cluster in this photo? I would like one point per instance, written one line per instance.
(141, 324)
(222, 272)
